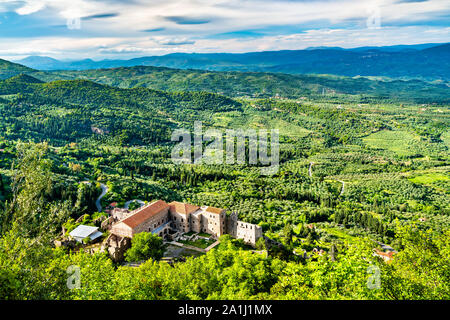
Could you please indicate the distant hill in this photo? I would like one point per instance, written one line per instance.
(394, 48)
(244, 84)
(425, 61)
(42, 63)
(398, 48)
(23, 78)
(258, 84)
(91, 93)
(10, 69)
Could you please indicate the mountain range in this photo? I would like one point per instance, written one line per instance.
(425, 61)
(241, 84)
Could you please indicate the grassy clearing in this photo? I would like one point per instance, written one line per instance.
(338, 233)
(176, 252)
(199, 243)
(429, 178)
(288, 129)
(258, 121)
(58, 112)
(8, 96)
(440, 181)
(400, 142)
(446, 138)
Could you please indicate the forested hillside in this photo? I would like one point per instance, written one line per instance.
(75, 109)
(263, 85)
(9, 69)
(251, 84)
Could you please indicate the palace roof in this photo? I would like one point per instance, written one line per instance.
(144, 213)
(184, 208)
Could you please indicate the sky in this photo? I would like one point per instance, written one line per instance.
(124, 29)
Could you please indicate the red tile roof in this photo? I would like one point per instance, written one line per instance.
(388, 255)
(184, 208)
(141, 215)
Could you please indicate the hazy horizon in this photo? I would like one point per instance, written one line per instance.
(112, 29)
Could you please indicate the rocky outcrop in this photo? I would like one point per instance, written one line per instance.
(107, 224)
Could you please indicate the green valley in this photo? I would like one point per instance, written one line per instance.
(362, 162)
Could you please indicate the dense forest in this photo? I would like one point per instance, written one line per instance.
(363, 163)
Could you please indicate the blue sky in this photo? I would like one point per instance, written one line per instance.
(111, 29)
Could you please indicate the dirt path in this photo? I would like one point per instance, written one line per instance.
(343, 187)
(310, 168)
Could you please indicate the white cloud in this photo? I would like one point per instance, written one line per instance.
(30, 7)
(238, 14)
(322, 23)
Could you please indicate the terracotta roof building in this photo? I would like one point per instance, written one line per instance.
(159, 218)
(214, 210)
(183, 208)
(146, 218)
(386, 256)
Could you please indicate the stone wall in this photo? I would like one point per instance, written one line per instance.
(107, 224)
(180, 222)
(121, 229)
(120, 213)
(153, 222)
(214, 223)
(248, 232)
(195, 222)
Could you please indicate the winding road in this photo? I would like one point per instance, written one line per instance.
(98, 202)
(127, 204)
